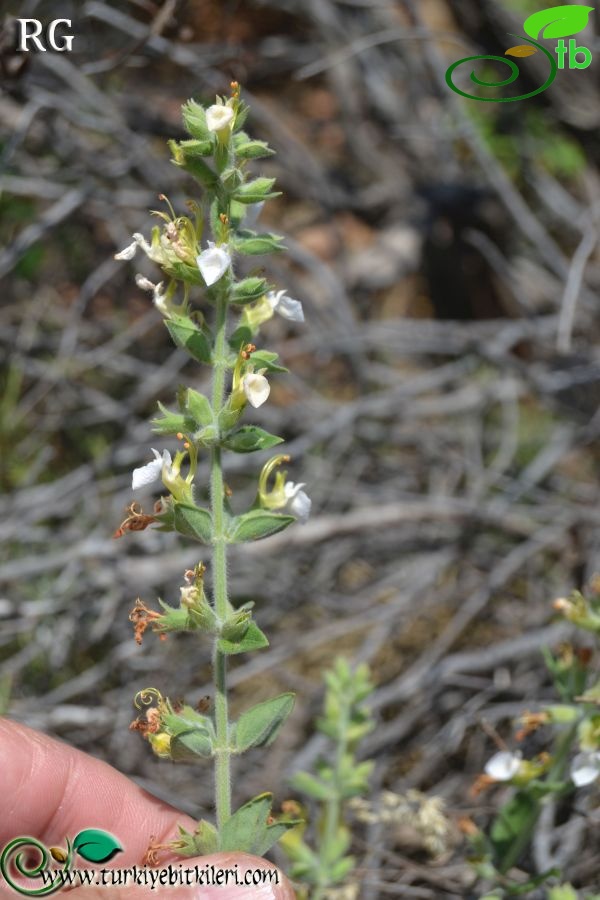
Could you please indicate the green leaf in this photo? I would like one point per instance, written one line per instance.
(170, 422)
(258, 726)
(197, 148)
(199, 408)
(514, 820)
(188, 719)
(189, 745)
(247, 830)
(256, 190)
(313, 787)
(254, 639)
(562, 892)
(251, 244)
(203, 842)
(194, 119)
(234, 629)
(246, 148)
(341, 869)
(241, 335)
(194, 522)
(95, 845)
(249, 438)
(249, 290)
(257, 524)
(198, 169)
(558, 22)
(184, 272)
(186, 334)
(265, 359)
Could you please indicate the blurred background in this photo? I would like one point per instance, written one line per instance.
(442, 404)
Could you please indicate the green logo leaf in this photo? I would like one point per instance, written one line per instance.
(558, 22)
(95, 845)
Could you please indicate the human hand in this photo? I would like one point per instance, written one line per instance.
(51, 790)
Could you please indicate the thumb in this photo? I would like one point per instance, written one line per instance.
(230, 876)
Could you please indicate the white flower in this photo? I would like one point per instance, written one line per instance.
(152, 471)
(286, 306)
(158, 295)
(213, 263)
(298, 502)
(218, 117)
(129, 251)
(256, 388)
(138, 241)
(585, 768)
(503, 766)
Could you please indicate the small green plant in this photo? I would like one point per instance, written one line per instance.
(338, 778)
(572, 763)
(198, 254)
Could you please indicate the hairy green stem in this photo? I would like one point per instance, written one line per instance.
(217, 489)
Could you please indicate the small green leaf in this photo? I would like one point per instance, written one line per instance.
(258, 726)
(189, 745)
(95, 845)
(170, 422)
(255, 191)
(199, 408)
(246, 148)
(186, 334)
(254, 639)
(198, 169)
(313, 787)
(197, 148)
(249, 290)
(241, 335)
(203, 842)
(247, 830)
(183, 272)
(234, 629)
(341, 869)
(266, 359)
(194, 119)
(251, 244)
(257, 524)
(187, 719)
(249, 438)
(513, 820)
(194, 522)
(558, 22)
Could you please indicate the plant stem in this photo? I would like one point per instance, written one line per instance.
(222, 750)
(333, 807)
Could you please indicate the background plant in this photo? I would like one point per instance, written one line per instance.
(338, 778)
(549, 777)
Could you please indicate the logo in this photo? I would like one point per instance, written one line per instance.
(559, 22)
(32, 30)
(93, 845)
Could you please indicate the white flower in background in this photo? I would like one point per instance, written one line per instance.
(138, 241)
(256, 388)
(213, 263)
(585, 768)
(218, 117)
(298, 502)
(158, 295)
(285, 306)
(503, 766)
(152, 471)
